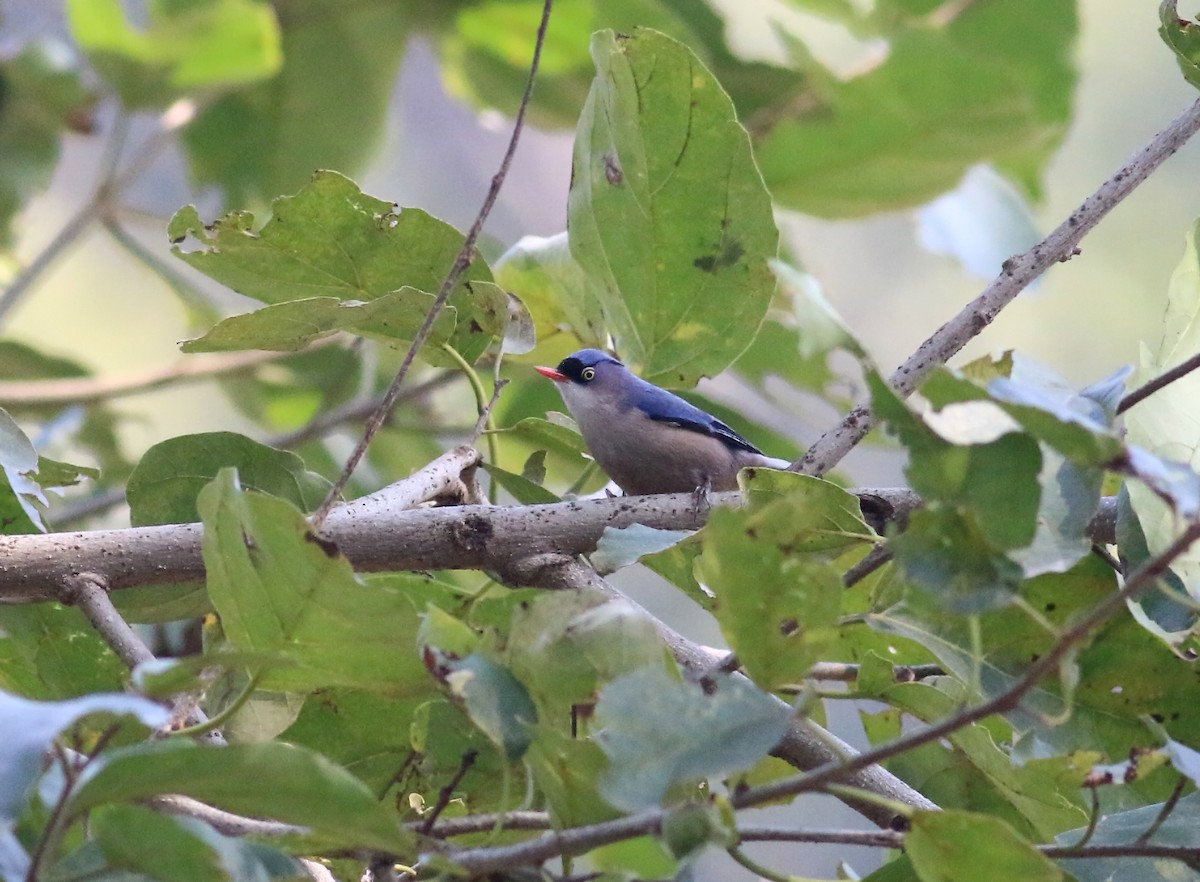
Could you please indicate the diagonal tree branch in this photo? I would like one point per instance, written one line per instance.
(1016, 274)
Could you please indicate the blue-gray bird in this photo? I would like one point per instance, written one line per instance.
(647, 439)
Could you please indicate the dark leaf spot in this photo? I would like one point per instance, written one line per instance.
(731, 252)
(612, 170)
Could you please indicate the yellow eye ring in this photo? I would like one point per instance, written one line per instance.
(588, 374)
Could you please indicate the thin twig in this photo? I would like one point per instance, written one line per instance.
(1187, 854)
(485, 823)
(485, 415)
(1093, 820)
(1168, 807)
(57, 824)
(447, 792)
(113, 182)
(1164, 379)
(89, 592)
(874, 559)
(760, 870)
(80, 390)
(465, 256)
(223, 821)
(1014, 277)
(848, 673)
(866, 838)
(320, 425)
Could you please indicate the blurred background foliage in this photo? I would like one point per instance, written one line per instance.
(864, 144)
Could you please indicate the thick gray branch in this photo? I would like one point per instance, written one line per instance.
(377, 533)
(374, 535)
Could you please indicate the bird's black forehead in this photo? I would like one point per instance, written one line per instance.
(572, 366)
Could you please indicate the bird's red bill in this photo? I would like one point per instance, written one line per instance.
(551, 373)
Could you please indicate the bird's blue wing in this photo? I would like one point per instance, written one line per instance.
(667, 407)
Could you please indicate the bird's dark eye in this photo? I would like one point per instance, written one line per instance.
(588, 374)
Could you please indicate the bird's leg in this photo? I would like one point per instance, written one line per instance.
(700, 494)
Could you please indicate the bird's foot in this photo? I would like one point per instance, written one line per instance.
(700, 495)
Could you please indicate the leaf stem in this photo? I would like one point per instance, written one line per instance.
(484, 405)
(225, 714)
(763, 872)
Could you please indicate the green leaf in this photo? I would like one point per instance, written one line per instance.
(1070, 498)
(948, 846)
(945, 552)
(178, 849)
(496, 701)
(521, 488)
(658, 731)
(182, 48)
(287, 327)
(567, 771)
(778, 593)
(1039, 797)
(565, 645)
(1123, 674)
(691, 827)
(19, 490)
(669, 217)
(560, 440)
(1183, 37)
(1076, 424)
(645, 857)
(379, 738)
(555, 290)
(442, 734)
(1121, 828)
(503, 315)
(822, 329)
(43, 98)
(677, 565)
(31, 726)
(1165, 424)
(282, 590)
(96, 433)
(164, 486)
(485, 56)
(551, 436)
(970, 454)
(332, 240)
(1167, 613)
(64, 654)
(271, 780)
(266, 139)
(983, 86)
(619, 548)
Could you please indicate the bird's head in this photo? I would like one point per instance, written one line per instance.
(586, 375)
